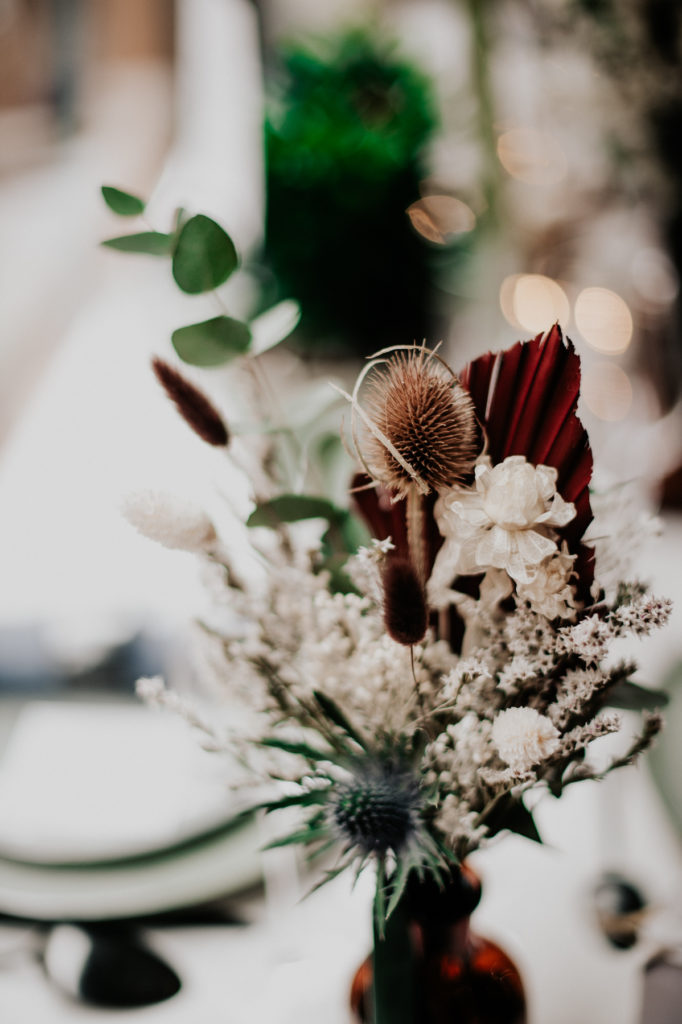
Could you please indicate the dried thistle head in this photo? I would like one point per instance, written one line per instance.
(419, 423)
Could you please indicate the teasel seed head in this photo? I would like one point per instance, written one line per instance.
(405, 610)
(415, 401)
(195, 408)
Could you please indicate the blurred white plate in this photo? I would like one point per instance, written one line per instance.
(223, 864)
(91, 783)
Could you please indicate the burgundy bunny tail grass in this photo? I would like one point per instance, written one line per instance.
(195, 408)
(405, 612)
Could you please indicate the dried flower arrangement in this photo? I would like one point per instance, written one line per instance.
(460, 659)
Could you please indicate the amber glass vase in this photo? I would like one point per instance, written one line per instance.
(456, 976)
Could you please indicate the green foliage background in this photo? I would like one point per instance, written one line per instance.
(345, 144)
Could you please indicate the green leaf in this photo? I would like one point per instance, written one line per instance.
(319, 851)
(398, 883)
(306, 835)
(301, 749)
(122, 203)
(211, 342)
(380, 900)
(354, 533)
(328, 876)
(204, 255)
(304, 799)
(336, 715)
(628, 696)
(290, 508)
(151, 243)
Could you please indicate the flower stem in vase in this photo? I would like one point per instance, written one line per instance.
(430, 968)
(392, 973)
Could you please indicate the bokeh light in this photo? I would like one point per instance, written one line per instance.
(507, 289)
(654, 278)
(604, 320)
(438, 218)
(531, 156)
(607, 391)
(534, 302)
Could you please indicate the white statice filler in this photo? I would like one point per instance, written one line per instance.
(169, 519)
(524, 737)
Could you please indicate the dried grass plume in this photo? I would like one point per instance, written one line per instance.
(195, 408)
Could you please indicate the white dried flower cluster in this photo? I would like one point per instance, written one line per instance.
(461, 826)
(589, 638)
(154, 692)
(576, 689)
(303, 638)
(507, 522)
(518, 711)
(592, 636)
(549, 591)
(364, 569)
(169, 519)
(524, 738)
(620, 530)
(526, 704)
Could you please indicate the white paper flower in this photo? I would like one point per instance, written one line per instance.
(169, 519)
(524, 737)
(550, 592)
(506, 521)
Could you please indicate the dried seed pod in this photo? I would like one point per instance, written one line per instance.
(405, 611)
(378, 809)
(420, 407)
(192, 404)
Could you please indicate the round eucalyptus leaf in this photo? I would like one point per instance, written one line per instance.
(212, 342)
(122, 203)
(204, 255)
(291, 508)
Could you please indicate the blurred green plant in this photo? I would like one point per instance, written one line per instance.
(345, 144)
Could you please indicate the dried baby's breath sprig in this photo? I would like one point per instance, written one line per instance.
(195, 408)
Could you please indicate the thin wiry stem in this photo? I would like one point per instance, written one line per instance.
(423, 710)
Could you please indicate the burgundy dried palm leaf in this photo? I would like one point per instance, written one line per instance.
(387, 518)
(526, 398)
